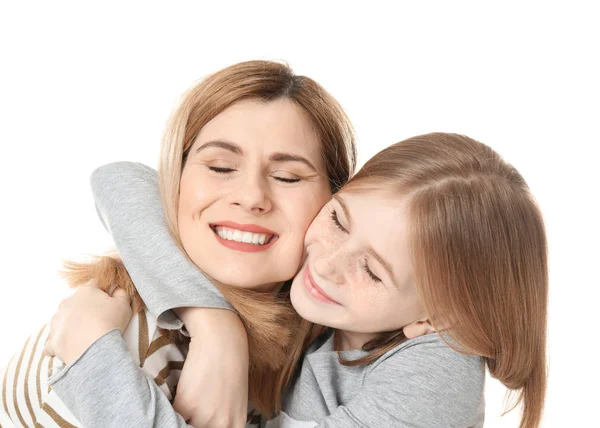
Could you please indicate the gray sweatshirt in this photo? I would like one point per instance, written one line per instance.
(420, 383)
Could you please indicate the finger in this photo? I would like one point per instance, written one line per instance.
(119, 293)
(184, 411)
(48, 348)
(92, 283)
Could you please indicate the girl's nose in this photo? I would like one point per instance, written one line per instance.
(331, 265)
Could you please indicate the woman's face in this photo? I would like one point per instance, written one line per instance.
(357, 275)
(253, 181)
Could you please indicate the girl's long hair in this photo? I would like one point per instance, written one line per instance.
(479, 253)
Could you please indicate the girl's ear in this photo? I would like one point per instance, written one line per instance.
(418, 328)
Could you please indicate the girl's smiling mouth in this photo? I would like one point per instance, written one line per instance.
(314, 290)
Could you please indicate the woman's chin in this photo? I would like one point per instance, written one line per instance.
(265, 285)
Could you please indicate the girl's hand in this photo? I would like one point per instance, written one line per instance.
(213, 388)
(83, 318)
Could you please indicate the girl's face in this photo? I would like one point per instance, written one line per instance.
(253, 181)
(357, 275)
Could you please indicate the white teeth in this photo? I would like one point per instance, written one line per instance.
(239, 236)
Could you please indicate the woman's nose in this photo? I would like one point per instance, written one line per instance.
(252, 195)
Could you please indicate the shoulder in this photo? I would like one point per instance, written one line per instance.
(430, 351)
(428, 371)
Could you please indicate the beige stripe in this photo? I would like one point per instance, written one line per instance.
(4, 385)
(162, 375)
(38, 385)
(56, 417)
(157, 344)
(27, 398)
(142, 336)
(50, 367)
(17, 410)
(172, 391)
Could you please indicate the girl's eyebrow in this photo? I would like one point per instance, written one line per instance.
(387, 266)
(344, 208)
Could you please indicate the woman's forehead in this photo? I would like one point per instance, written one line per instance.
(252, 126)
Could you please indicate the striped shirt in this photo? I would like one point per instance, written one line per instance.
(28, 400)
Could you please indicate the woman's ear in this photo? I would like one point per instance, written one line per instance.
(418, 328)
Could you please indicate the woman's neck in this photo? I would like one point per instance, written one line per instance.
(349, 340)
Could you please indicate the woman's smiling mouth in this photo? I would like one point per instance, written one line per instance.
(243, 237)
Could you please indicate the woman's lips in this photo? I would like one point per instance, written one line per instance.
(254, 228)
(236, 243)
(314, 290)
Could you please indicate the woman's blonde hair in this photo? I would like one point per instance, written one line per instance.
(479, 253)
(270, 321)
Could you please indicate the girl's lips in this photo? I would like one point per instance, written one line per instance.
(314, 290)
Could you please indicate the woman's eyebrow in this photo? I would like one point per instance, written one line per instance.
(275, 157)
(221, 144)
(288, 157)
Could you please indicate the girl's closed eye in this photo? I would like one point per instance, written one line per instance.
(336, 221)
(370, 273)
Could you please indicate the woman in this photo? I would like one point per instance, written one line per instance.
(296, 146)
(451, 275)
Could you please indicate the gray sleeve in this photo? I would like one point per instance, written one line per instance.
(104, 388)
(421, 387)
(128, 203)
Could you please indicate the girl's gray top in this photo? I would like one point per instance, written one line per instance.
(420, 383)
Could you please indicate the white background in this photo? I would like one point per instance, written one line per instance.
(84, 85)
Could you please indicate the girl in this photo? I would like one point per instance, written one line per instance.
(296, 146)
(428, 265)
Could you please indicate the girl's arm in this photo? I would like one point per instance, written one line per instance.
(128, 202)
(103, 385)
(105, 388)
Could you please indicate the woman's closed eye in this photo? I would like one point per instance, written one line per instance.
(286, 179)
(221, 170)
(281, 178)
